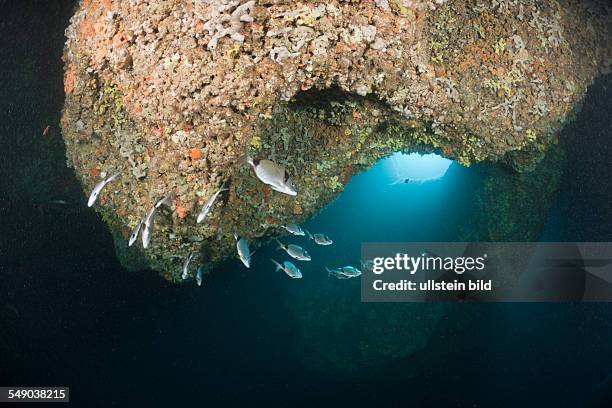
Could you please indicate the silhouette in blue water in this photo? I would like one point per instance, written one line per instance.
(416, 168)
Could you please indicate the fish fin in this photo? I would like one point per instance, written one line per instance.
(223, 187)
(276, 189)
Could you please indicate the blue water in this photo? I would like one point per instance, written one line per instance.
(374, 208)
(70, 315)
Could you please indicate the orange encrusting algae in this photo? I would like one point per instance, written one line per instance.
(180, 210)
(69, 79)
(195, 154)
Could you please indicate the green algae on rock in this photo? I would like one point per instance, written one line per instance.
(325, 88)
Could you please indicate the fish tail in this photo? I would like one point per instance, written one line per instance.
(167, 200)
(280, 244)
(308, 233)
(329, 272)
(247, 159)
(278, 266)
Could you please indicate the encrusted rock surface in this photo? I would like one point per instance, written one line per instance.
(173, 92)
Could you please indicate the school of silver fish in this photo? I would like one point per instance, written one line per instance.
(268, 172)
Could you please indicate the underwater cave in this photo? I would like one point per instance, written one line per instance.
(442, 200)
(467, 121)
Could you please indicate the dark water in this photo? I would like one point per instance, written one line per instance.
(70, 315)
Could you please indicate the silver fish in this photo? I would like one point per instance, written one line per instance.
(290, 269)
(336, 273)
(242, 246)
(96, 190)
(349, 271)
(209, 204)
(199, 275)
(186, 266)
(135, 232)
(295, 251)
(274, 175)
(148, 223)
(58, 202)
(320, 239)
(147, 226)
(294, 229)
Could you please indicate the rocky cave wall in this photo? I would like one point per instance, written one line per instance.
(172, 93)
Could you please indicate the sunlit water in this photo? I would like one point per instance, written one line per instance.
(415, 167)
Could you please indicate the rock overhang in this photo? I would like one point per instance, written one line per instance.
(174, 92)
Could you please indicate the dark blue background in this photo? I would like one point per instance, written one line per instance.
(71, 316)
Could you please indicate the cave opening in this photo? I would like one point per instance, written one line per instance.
(415, 167)
(405, 196)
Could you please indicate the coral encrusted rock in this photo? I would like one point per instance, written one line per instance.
(172, 93)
